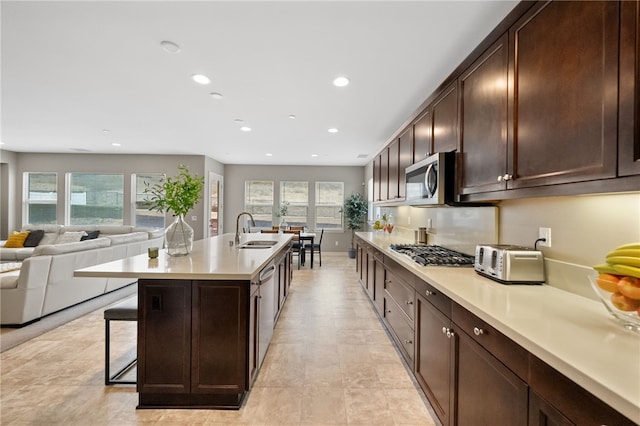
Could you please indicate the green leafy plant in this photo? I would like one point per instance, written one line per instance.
(178, 194)
(284, 209)
(355, 208)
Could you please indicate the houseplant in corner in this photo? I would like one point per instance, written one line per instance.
(354, 210)
(177, 194)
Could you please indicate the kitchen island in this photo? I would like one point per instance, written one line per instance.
(535, 353)
(205, 320)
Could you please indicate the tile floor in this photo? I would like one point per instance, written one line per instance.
(330, 363)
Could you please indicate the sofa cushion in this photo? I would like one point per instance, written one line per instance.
(9, 279)
(90, 235)
(34, 238)
(49, 249)
(117, 239)
(70, 237)
(16, 239)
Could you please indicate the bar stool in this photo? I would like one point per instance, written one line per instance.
(127, 310)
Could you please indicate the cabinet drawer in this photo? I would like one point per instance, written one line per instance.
(399, 270)
(437, 299)
(506, 350)
(400, 327)
(401, 292)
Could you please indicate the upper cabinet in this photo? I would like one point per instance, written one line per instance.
(564, 114)
(422, 132)
(405, 158)
(394, 164)
(629, 92)
(483, 117)
(445, 120)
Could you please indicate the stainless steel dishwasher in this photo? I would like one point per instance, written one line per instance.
(268, 309)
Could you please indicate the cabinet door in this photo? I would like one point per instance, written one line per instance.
(445, 120)
(371, 270)
(483, 119)
(254, 315)
(164, 340)
(378, 283)
(629, 91)
(405, 159)
(220, 335)
(434, 369)
(422, 131)
(541, 413)
(394, 165)
(376, 179)
(488, 393)
(384, 174)
(564, 114)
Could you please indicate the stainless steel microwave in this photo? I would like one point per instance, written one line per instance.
(431, 181)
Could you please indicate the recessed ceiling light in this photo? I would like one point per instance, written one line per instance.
(238, 120)
(340, 81)
(293, 117)
(200, 79)
(314, 155)
(170, 47)
(245, 129)
(106, 131)
(115, 144)
(216, 95)
(268, 154)
(332, 130)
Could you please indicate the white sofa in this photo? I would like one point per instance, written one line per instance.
(45, 283)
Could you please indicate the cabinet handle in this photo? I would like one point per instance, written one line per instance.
(478, 331)
(408, 342)
(408, 302)
(444, 330)
(450, 334)
(388, 311)
(429, 293)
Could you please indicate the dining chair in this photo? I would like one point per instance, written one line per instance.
(297, 247)
(275, 227)
(269, 231)
(316, 247)
(297, 228)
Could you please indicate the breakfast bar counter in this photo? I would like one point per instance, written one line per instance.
(205, 320)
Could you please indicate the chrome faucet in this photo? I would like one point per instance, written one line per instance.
(253, 223)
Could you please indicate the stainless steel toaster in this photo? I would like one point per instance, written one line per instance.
(510, 264)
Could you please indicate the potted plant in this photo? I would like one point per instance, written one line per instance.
(355, 208)
(177, 194)
(282, 213)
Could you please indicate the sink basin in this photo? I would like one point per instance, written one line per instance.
(258, 244)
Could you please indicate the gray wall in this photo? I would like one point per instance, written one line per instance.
(20, 163)
(8, 219)
(236, 175)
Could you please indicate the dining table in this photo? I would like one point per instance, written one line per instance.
(308, 236)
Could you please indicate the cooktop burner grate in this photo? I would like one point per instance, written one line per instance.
(432, 255)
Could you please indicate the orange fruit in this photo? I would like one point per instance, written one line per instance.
(630, 287)
(608, 282)
(623, 303)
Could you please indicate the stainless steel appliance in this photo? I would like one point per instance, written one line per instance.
(431, 181)
(509, 264)
(432, 255)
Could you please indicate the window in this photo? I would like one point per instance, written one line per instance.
(142, 215)
(96, 199)
(41, 198)
(329, 202)
(296, 195)
(258, 200)
(370, 200)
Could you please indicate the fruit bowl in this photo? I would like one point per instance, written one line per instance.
(624, 309)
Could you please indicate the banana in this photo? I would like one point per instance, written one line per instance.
(628, 246)
(631, 271)
(605, 268)
(624, 252)
(624, 260)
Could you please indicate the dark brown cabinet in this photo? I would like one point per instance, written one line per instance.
(384, 174)
(445, 120)
(376, 178)
(629, 90)
(422, 132)
(563, 120)
(435, 351)
(405, 159)
(393, 181)
(483, 144)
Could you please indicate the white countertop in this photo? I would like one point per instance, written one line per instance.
(571, 333)
(212, 259)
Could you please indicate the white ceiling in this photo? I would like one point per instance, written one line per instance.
(71, 70)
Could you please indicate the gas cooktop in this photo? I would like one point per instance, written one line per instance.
(432, 255)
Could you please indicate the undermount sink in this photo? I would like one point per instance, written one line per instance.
(258, 244)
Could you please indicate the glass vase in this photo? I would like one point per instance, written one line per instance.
(178, 237)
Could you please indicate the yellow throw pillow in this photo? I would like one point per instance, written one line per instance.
(16, 240)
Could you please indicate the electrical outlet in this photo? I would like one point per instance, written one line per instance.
(336, 242)
(546, 234)
(429, 223)
(408, 220)
(194, 218)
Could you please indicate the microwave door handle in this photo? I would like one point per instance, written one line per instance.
(431, 180)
